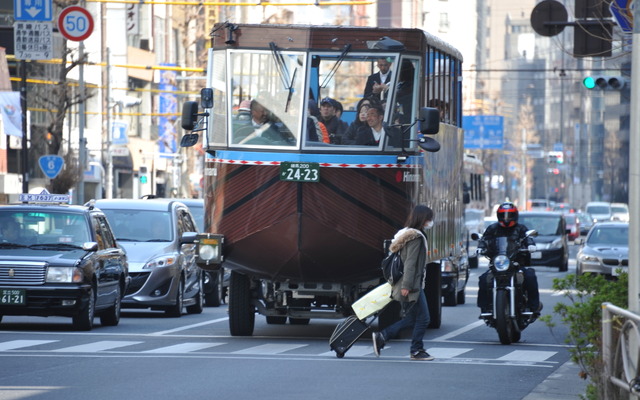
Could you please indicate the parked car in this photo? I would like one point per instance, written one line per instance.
(552, 244)
(216, 283)
(600, 211)
(573, 225)
(605, 250)
(619, 212)
(586, 222)
(60, 260)
(159, 237)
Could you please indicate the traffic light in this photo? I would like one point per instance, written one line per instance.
(555, 157)
(142, 172)
(604, 82)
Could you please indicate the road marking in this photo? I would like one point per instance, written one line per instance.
(96, 346)
(527, 355)
(269, 348)
(183, 348)
(16, 344)
(459, 331)
(184, 328)
(447, 352)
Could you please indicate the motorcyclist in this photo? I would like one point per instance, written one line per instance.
(508, 226)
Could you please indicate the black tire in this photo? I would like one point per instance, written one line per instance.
(199, 297)
(175, 311)
(339, 354)
(389, 315)
(242, 314)
(565, 266)
(83, 321)
(473, 262)
(214, 298)
(515, 336)
(111, 316)
(273, 320)
(504, 326)
(433, 292)
(462, 296)
(449, 299)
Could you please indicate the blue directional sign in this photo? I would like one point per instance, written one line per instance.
(483, 132)
(32, 10)
(51, 165)
(119, 132)
(622, 11)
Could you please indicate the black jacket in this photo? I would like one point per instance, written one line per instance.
(513, 234)
(375, 78)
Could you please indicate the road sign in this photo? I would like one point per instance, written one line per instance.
(32, 10)
(33, 40)
(51, 165)
(119, 132)
(622, 11)
(75, 23)
(483, 132)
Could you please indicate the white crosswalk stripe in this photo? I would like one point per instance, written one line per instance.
(19, 344)
(356, 351)
(447, 352)
(269, 348)
(96, 346)
(183, 348)
(528, 355)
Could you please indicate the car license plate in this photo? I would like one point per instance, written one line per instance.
(12, 297)
(299, 172)
(537, 255)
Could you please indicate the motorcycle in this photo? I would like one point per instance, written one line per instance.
(509, 316)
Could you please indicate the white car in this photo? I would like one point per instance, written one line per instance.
(619, 212)
(600, 211)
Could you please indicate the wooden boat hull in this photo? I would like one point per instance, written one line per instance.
(330, 231)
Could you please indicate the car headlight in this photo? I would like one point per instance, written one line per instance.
(587, 258)
(556, 244)
(501, 263)
(162, 261)
(64, 275)
(446, 266)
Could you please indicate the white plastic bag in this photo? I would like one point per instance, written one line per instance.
(373, 301)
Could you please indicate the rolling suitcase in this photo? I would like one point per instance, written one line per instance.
(346, 334)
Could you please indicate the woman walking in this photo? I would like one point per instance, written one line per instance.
(411, 242)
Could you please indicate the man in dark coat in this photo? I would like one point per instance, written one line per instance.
(378, 83)
(335, 127)
(376, 130)
(261, 129)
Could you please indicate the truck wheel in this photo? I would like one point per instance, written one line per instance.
(449, 298)
(433, 291)
(242, 314)
(462, 296)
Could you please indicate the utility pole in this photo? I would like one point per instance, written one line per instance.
(634, 169)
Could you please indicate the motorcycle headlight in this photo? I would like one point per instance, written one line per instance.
(501, 263)
(162, 261)
(64, 275)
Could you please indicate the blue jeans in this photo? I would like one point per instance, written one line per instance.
(417, 315)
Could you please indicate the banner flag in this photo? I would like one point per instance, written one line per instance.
(11, 113)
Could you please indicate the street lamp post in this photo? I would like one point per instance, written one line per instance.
(634, 169)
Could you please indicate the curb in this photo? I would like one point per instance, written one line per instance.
(564, 384)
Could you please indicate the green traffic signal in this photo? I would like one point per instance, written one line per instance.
(589, 82)
(143, 179)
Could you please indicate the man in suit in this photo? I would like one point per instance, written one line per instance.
(378, 83)
(375, 130)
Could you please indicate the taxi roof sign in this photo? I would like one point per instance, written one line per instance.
(44, 197)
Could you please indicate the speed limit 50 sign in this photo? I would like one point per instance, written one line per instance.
(75, 23)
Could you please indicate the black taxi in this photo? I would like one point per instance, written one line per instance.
(60, 259)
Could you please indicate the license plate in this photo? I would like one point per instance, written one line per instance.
(299, 172)
(536, 255)
(12, 297)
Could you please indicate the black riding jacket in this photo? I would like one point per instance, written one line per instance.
(513, 234)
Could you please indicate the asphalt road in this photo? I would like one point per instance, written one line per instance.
(150, 356)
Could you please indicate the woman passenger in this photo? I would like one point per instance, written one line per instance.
(361, 120)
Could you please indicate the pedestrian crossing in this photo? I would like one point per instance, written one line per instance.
(500, 354)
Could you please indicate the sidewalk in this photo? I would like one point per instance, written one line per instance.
(564, 384)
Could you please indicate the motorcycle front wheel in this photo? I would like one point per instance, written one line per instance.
(504, 325)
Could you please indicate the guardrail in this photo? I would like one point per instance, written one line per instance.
(620, 351)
